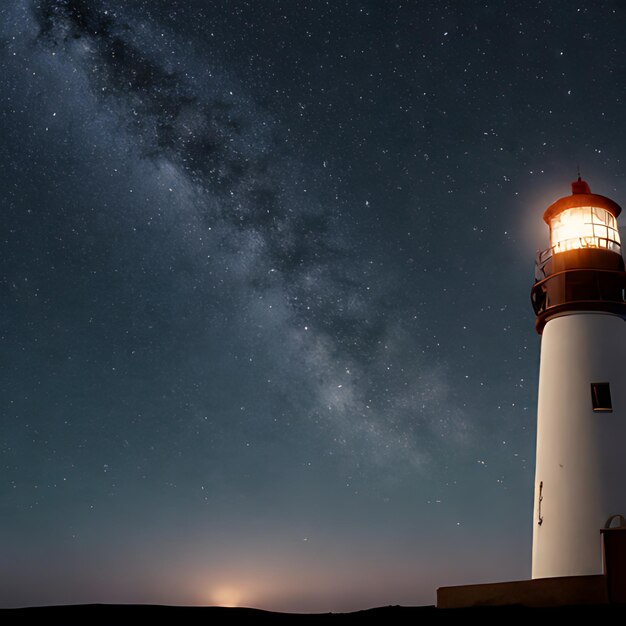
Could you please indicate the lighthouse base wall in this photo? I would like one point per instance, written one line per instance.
(606, 588)
(541, 592)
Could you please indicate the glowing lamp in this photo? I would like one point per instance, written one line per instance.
(583, 220)
(584, 227)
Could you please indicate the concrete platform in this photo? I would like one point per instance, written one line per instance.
(540, 592)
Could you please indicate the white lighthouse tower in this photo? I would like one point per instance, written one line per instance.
(580, 300)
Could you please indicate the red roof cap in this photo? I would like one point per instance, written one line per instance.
(580, 186)
(581, 196)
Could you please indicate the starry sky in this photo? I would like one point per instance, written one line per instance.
(265, 328)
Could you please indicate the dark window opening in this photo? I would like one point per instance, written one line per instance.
(601, 397)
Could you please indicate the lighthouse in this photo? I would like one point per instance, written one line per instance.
(579, 298)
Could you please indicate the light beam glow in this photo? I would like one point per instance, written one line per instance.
(584, 227)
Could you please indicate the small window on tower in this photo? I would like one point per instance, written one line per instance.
(601, 397)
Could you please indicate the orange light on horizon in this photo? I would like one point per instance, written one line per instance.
(226, 596)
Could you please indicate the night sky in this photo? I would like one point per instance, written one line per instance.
(265, 328)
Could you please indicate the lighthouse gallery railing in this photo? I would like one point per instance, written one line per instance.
(581, 288)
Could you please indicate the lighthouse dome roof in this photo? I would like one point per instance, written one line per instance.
(581, 197)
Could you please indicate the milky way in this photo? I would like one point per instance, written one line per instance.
(222, 148)
(265, 322)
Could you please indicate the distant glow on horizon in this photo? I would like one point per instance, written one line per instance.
(584, 227)
(229, 597)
